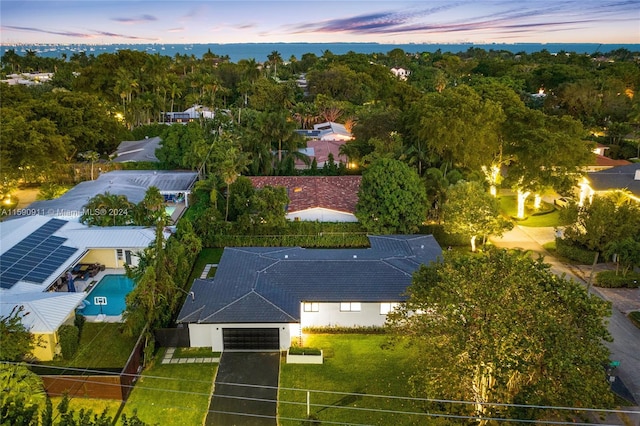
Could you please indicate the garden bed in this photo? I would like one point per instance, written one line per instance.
(300, 355)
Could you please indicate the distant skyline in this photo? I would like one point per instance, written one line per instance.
(484, 21)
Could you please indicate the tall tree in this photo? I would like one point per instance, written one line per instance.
(502, 328)
(391, 199)
(229, 162)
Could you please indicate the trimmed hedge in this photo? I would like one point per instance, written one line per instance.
(566, 248)
(344, 330)
(69, 340)
(609, 279)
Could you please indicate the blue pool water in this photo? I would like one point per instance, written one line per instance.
(111, 292)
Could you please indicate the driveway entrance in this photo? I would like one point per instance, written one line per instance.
(246, 390)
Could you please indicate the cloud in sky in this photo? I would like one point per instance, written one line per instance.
(136, 20)
(403, 21)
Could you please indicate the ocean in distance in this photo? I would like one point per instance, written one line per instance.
(259, 51)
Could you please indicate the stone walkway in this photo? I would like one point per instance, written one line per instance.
(206, 270)
(169, 359)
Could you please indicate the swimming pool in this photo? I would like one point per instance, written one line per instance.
(108, 296)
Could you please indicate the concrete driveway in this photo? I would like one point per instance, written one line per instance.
(625, 347)
(246, 390)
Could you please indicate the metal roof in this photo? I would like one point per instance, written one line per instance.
(268, 284)
(43, 312)
(131, 183)
(142, 150)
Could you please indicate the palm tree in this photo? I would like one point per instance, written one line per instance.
(230, 162)
(275, 58)
(91, 156)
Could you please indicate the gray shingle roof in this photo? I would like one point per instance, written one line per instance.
(622, 177)
(261, 284)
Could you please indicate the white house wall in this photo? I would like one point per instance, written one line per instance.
(329, 315)
(322, 215)
(210, 335)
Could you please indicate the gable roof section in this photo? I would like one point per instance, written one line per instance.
(339, 193)
(622, 177)
(268, 284)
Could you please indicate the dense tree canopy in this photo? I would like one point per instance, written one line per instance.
(501, 328)
(392, 199)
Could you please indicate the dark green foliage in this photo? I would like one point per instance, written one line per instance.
(79, 323)
(69, 340)
(542, 344)
(570, 250)
(610, 279)
(16, 412)
(17, 341)
(392, 199)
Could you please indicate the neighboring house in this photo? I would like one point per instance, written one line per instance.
(28, 79)
(601, 162)
(325, 138)
(263, 297)
(196, 112)
(400, 73)
(320, 150)
(36, 254)
(321, 198)
(174, 185)
(327, 131)
(625, 178)
(137, 151)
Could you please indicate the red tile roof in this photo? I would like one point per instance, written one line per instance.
(601, 160)
(338, 193)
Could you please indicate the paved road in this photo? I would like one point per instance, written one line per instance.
(626, 344)
(255, 403)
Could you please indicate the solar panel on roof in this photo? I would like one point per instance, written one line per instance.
(36, 257)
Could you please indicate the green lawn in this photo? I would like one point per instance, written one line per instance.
(97, 406)
(509, 207)
(195, 353)
(173, 394)
(353, 363)
(207, 255)
(102, 345)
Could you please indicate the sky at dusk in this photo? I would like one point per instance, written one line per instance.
(484, 21)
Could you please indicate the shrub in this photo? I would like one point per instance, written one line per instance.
(574, 252)
(69, 340)
(635, 318)
(609, 279)
(79, 322)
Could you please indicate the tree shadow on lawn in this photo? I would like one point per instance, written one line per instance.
(344, 401)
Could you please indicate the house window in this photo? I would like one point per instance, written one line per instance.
(120, 253)
(311, 306)
(385, 308)
(350, 307)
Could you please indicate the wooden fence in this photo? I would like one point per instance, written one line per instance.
(99, 385)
